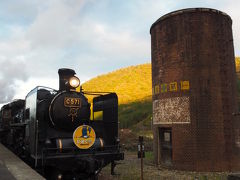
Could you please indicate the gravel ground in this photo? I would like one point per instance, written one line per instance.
(130, 169)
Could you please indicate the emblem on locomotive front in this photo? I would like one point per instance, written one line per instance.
(74, 104)
(84, 137)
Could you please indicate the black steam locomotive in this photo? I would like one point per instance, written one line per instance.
(59, 133)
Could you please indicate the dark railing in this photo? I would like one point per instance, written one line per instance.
(50, 153)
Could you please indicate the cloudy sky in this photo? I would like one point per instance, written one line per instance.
(91, 36)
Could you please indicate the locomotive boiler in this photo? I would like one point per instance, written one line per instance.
(61, 134)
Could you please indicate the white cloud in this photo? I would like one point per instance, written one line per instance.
(116, 45)
(11, 72)
(16, 44)
(24, 87)
(53, 27)
(89, 36)
(232, 9)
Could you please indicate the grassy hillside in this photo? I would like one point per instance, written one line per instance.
(134, 90)
(133, 87)
(237, 60)
(131, 84)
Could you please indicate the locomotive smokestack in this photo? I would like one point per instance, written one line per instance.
(64, 75)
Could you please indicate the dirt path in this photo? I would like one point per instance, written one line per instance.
(130, 169)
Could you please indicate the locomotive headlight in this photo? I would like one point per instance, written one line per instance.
(74, 82)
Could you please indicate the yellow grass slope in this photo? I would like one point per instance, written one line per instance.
(237, 60)
(131, 84)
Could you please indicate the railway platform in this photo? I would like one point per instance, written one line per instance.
(13, 168)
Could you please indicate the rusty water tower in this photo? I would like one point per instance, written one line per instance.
(194, 91)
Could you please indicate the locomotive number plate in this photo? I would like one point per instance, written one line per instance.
(72, 102)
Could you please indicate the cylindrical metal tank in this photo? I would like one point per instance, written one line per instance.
(194, 91)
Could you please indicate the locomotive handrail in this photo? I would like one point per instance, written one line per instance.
(51, 153)
(83, 151)
(18, 124)
(44, 87)
(96, 92)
